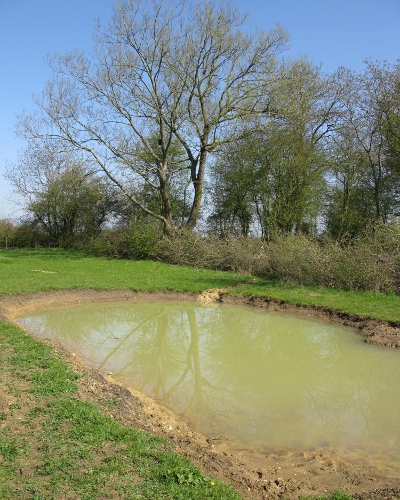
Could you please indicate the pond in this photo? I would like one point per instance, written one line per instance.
(263, 380)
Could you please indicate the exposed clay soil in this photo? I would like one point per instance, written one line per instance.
(284, 474)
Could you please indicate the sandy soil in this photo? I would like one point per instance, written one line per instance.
(284, 474)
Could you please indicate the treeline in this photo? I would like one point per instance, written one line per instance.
(188, 119)
(328, 162)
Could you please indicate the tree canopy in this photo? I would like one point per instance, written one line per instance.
(178, 71)
(181, 96)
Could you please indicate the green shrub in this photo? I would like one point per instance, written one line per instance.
(136, 242)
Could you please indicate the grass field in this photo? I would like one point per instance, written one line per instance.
(55, 269)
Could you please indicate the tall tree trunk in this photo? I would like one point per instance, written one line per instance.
(197, 181)
(168, 225)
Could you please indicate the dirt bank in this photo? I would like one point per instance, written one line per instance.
(285, 474)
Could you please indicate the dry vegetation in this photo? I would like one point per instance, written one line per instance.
(370, 263)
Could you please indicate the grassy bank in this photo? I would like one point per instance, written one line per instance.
(370, 305)
(32, 271)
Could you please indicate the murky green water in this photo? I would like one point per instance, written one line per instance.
(263, 380)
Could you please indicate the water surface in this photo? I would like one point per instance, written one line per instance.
(263, 380)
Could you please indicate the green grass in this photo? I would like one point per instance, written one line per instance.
(64, 447)
(363, 304)
(55, 269)
(336, 495)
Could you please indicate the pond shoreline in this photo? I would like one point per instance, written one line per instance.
(272, 474)
(373, 331)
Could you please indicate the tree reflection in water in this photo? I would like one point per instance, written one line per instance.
(260, 379)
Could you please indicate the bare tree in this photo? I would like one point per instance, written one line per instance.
(183, 70)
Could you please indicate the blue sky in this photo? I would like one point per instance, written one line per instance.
(331, 32)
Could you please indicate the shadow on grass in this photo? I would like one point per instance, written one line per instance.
(44, 254)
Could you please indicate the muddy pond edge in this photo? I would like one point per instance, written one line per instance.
(373, 331)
